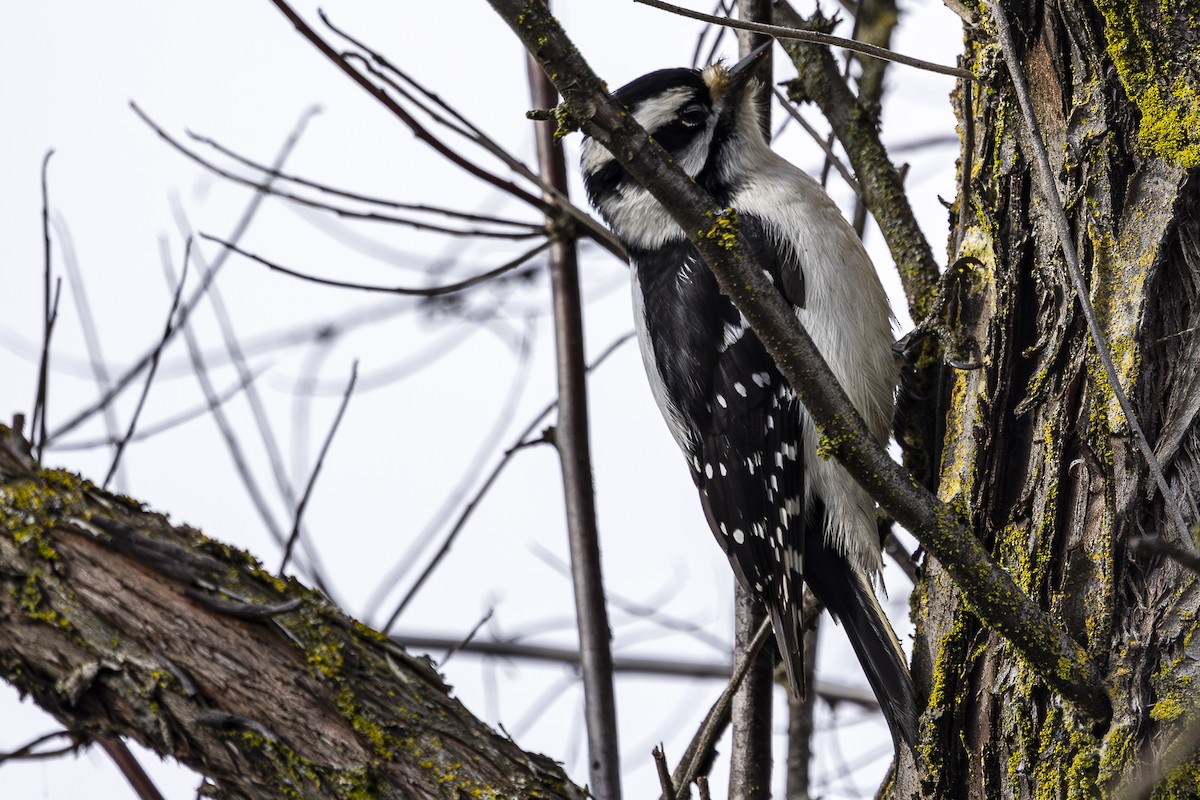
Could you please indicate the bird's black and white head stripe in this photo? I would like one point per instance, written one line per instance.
(783, 515)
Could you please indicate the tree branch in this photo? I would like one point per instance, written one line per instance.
(99, 626)
(571, 437)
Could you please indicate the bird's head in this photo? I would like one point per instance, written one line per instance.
(705, 118)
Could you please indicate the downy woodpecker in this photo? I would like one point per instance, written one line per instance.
(783, 515)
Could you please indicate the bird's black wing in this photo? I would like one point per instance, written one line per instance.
(752, 484)
(737, 418)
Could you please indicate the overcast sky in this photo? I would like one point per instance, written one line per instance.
(436, 385)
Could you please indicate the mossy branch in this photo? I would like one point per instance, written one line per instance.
(990, 592)
(856, 127)
(120, 624)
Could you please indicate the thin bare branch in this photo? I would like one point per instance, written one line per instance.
(1153, 545)
(519, 443)
(470, 637)
(38, 424)
(174, 421)
(265, 186)
(664, 773)
(822, 142)
(87, 322)
(120, 754)
(132, 372)
(141, 403)
(589, 226)
(812, 37)
(312, 479)
(517, 387)
(29, 751)
(433, 291)
(228, 434)
(572, 440)
(271, 172)
(648, 611)
(399, 112)
(700, 751)
(829, 691)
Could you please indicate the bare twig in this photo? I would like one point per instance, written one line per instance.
(518, 385)
(232, 345)
(699, 751)
(272, 172)
(832, 692)
(119, 752)
(899, 555)
(266, 186)
(521, 441)
(433, 291)
(224, 426)
(141, 403)
(1066, 241)
(648, 611)
(312, 479)
(38, 425)
(664, 773)
(174, 421)
(44, 370)
(470, 637)
(718, 34)
(812, 37)
(121, 383)
(91, 335)
(587, 224)
(29, 751)
(822, 142)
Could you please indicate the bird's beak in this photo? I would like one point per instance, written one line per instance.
(741, 72)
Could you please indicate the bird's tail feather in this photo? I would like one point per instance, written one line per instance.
(789, 633)
(848, 596)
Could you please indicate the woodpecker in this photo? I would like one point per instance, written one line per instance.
(783, 515)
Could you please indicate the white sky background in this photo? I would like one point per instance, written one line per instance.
(238, 72)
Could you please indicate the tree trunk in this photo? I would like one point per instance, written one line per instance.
(120, 624)
(1037, 453)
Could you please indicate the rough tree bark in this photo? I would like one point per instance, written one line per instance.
(1037, 452)
(120, 624)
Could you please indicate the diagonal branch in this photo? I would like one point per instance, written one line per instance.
(990, 592)
(812, 37)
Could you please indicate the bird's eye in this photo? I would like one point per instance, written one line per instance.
(693, 115)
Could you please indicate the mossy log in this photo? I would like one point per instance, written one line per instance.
(119, 623)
